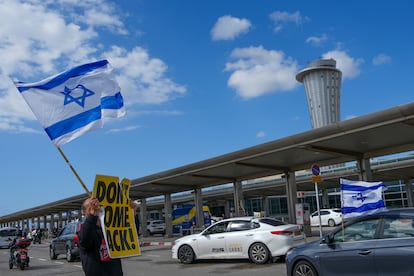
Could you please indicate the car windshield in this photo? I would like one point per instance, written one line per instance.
(273, 222)
(336, 210)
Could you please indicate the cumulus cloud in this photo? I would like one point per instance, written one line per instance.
(349, 66)
(381, 59)
(142, 78)
(228, 28)
(257, 71)
(317, 40)
(42, 38)
(282, 18)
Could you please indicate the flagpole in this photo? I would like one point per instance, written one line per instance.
(73, 170)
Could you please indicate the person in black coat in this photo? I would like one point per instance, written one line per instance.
(94, 253)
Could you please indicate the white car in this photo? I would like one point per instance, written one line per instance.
(329, 217)
(156, 227)
(257, 239)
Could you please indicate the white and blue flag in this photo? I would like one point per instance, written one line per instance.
(361, 198)
(76, 101)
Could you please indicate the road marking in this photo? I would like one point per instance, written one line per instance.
(40, 259)
(59, 263)
(78, 266)
(157, 256)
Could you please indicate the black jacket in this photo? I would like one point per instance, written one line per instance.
(90, 238)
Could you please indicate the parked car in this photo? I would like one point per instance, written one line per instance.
(329, 217)
(156, 227)
(379, 244)
(66, 242)
(7, 235)
(258, 239)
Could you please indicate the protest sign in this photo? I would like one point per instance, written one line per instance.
(117, 218)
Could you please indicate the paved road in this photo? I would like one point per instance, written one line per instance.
(155, 260)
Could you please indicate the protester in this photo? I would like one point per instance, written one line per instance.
(94, 253)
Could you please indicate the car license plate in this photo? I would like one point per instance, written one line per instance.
(298, 233)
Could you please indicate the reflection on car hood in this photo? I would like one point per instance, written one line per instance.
(187, 237)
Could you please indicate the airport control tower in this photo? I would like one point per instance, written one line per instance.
(322, 81)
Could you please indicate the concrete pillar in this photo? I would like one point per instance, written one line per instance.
(266, 206)
(227, 209)
(325, 199)
(168, 215)
(364, 170)
(238, 199)
(409, 191)
(291, 195)
(199, 208)
(143, 211)
(44, 222)
(60, 222)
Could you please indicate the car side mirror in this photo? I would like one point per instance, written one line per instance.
(328, 239)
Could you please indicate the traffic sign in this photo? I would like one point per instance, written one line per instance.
(316, 179)
(315, 169)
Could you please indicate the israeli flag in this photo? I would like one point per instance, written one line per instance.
(361, 198)
(74, 102)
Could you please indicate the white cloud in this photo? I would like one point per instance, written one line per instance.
(317, 40)
(349, 66)
(282, 18)
(125, 129)
(257, 71)
(260, 134)
(41, 38)
(381, 59)
(228, 27)
(142, 78)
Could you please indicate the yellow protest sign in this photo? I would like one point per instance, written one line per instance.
(117, 220)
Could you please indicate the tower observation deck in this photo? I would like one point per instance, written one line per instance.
(322, 81)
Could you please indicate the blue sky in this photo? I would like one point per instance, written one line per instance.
(199, 79)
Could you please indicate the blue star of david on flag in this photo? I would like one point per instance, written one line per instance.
(361, 198)
(80, 100)
(75, 101)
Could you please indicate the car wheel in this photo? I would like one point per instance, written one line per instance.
(304, 268)
(258, 253)
(331, 222)
(186, 254)
(69, 256)
(53, 256)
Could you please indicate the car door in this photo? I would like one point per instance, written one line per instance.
(60, 241)
(352, 250)
(212, 244)
(395, 250)
(238, 238)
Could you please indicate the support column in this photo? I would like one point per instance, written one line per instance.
(266, 206)
(168, 215)
(226, 209)
(199, 208)
(325, 199)
(409, 191)
(238, 198)
(364, 168)
(291, 195)
(143, 211)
